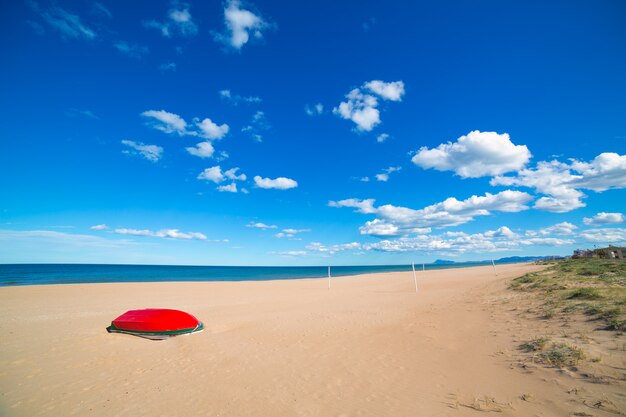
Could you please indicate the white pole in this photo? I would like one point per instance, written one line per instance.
(329, 277)
(494, 267)
(423, 268)
(414, 277)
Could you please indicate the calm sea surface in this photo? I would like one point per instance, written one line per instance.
(37, 274)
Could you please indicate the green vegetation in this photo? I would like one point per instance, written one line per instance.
(535, 345)
(560, 355)
(595, 287)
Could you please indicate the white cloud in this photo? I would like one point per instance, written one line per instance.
(261, 226)
(231, 174)
(166, 122)
(314, 110)
(280, 183)
(68, 24)
(172, 123)
(212, 174)
(384, 176)
(392, 91)
(604, 236)
(131, 49)
(362, 108)
(290, 253)
(332, 249)
(362, 206)
(235, 99)
(563, 228)
(603, 218)
(258, 124)
(382, 137)
(165, 233)
(150, 152)
(240, 25)
(290, 233)
(210, 130)
(451, 212)
(216, 175)
(99, 227)
(179, 21)
(561, 182)
(202, 150)
(230, 188)
(379, 228)
(476, 154)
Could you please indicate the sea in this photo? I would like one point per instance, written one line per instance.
(45, 274)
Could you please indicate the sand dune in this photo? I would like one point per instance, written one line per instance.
(370, 346)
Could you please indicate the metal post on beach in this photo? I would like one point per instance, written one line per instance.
(329, 277)
(494, 267)
(414, 277)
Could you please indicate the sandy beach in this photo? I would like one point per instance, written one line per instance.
(369, 346)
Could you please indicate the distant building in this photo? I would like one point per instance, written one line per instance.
(610, 252)
(583, 253)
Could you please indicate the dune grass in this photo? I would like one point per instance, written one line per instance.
(594, 287)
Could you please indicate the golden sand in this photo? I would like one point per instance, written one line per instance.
(369, 346)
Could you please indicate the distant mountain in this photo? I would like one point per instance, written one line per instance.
(512, 259)
(443, 262)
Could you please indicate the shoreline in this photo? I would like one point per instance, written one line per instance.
(26, 277)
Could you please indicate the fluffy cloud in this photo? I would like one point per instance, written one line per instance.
(384, 176)
(166, 233)
(261, 226)
(290, 233)
(476, 154)
(166, 122)
(361, 206)
(280, 183)
(392, 91)
(202, 150)
(68, 24)
(240, 25)
(172, 123)
(216, 175)
(451, 212)
(210, 130)
(604, 218)
(561, 182)
(230, 188)
(604, 236)
(332, 249)
(564, 228)
(212, 174)
(502, 239)
(361, 106)
(179, 22)
(150, 152)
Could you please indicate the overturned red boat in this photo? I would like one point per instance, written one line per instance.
(155, 323)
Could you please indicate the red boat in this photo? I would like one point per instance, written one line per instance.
(155, 323)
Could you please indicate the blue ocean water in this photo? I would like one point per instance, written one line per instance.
(38, 274)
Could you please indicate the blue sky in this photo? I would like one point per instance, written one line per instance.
(309, 133)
